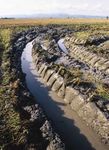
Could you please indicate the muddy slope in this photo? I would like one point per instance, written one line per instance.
(67, 76)
(34, 126)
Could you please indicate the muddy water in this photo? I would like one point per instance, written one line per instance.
(62, 46)
(74, 132)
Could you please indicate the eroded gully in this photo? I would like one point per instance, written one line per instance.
(73, 131)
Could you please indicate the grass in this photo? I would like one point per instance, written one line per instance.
(82, 35)
(49, 21)
(11, 122)
(6, 133)
(89, 39)
(5, 37)
(85, 35)
(103, 91)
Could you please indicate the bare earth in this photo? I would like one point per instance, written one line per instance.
(73, 130)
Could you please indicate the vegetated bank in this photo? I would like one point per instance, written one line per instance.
(24, 125)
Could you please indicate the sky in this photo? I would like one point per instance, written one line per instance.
(29, 7)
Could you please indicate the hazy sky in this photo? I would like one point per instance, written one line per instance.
(83, 7)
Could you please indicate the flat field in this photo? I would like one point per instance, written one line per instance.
(15, 22)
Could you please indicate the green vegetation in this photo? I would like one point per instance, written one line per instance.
(7, 113)
(94, 40)
(103, 91)
(11, 126)
(82, 35)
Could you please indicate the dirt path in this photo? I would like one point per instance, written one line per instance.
(75, 134)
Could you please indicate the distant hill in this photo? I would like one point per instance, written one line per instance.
(53, 16)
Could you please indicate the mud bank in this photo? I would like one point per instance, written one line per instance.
(79, 51)
(66, 121)
(41, 134)
(89, 110)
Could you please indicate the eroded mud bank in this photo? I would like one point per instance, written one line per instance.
(54, 66)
